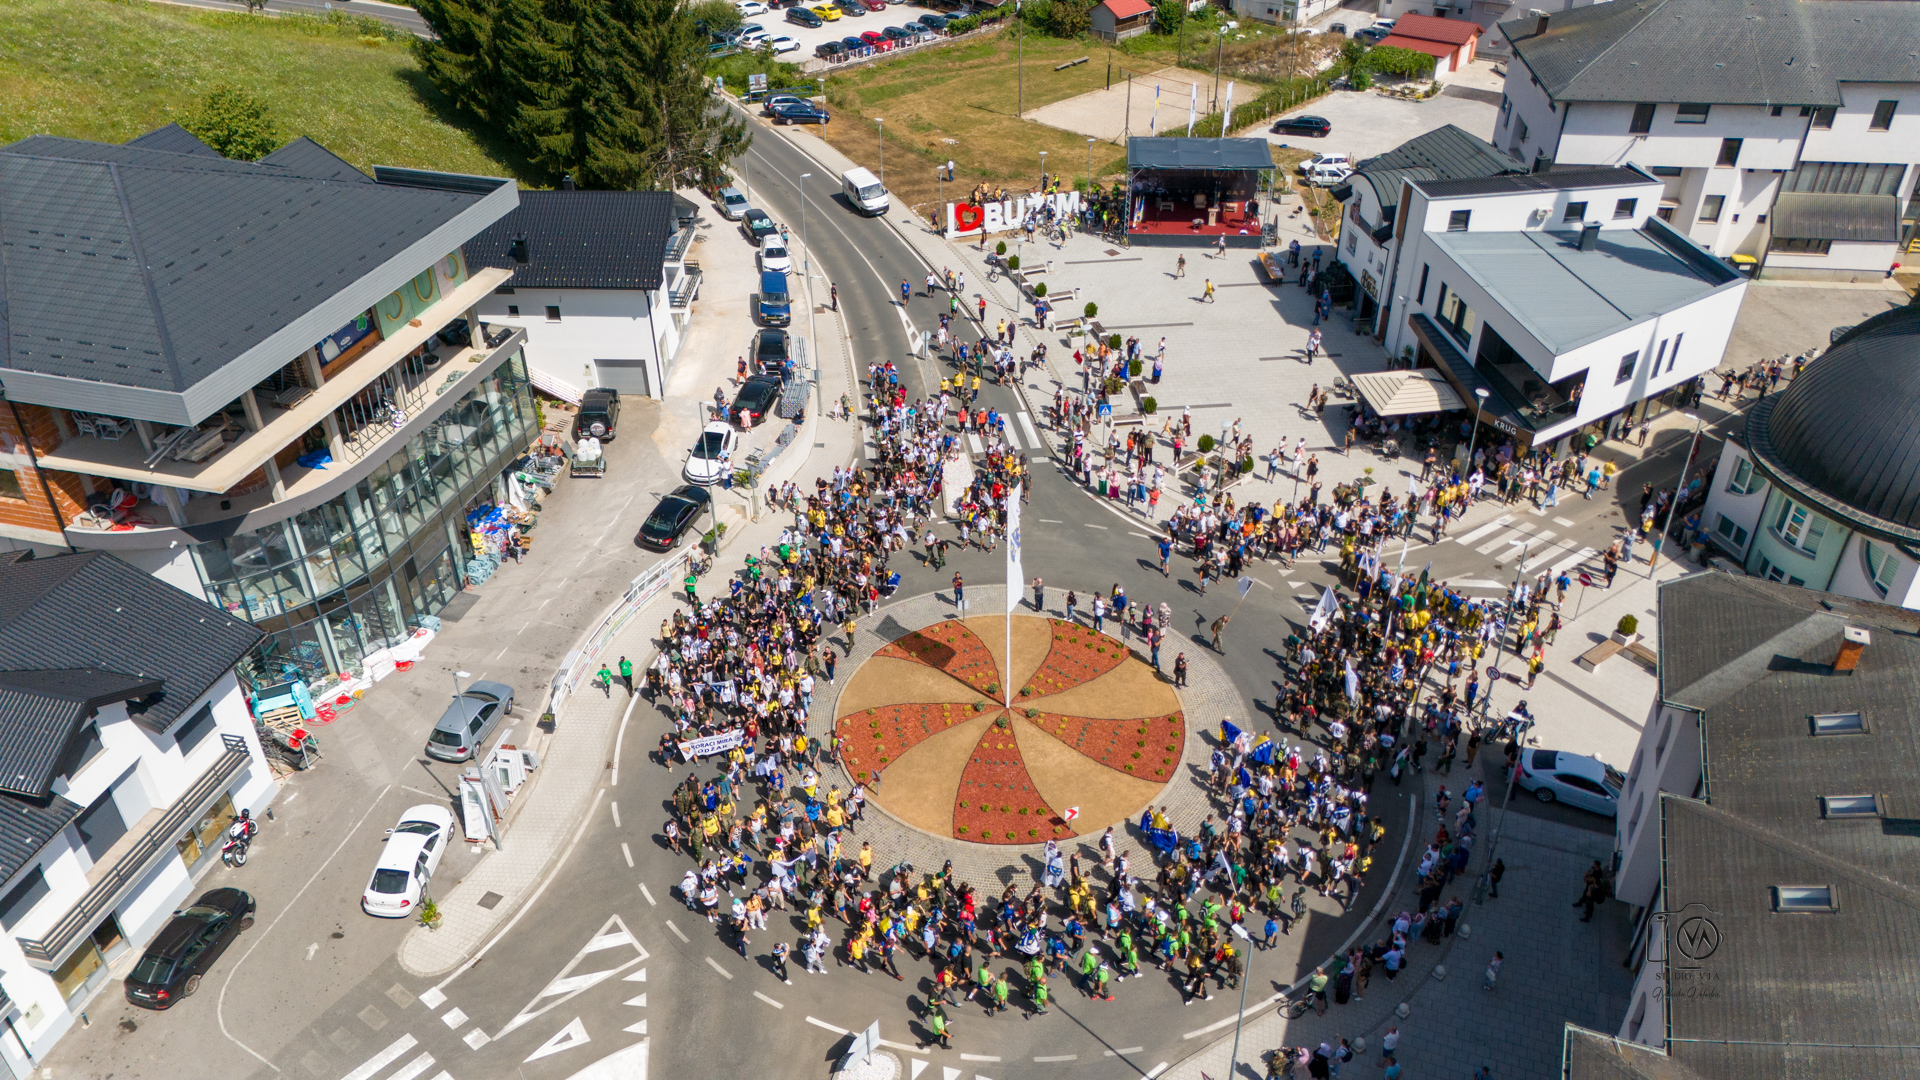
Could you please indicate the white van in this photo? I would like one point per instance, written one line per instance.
(863, 190)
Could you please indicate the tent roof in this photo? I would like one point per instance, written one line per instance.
(1185, 153)
(1405, 393)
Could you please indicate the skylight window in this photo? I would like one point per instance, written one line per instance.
(1850, 806)
(1802, 898)
(1843, 723)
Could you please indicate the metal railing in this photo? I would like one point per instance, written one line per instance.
(369, 417)
(686, 289)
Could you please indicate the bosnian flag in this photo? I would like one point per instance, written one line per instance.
(1015, 578)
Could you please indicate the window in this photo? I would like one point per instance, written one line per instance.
(1506, 106)
(1776, 110)
(1664, 170)
(1519, 130)
(1691, 114)
(1673, 358)
(1823, 118)
(1741, 482)
(513, 310)
(1658, 357)
(1642, 119)
(1665, 213)
(1711, 206)
(1806, 110)
(1576, 211)
(1840, 723)
(189, 734)
(1790, 899)
(1627, 363)
(1456, 316)
(1799, 247)
(1457, 221)
(553, 313)
(21, 898)
(100, 825)
(1799, 526)
(1846, 177)
(1623, 208)
(1881, 565)
(504, 290)
(1729, 152)
(1849, 806)
(10, 485)
(1731, 532)
(1883, 116)
(1421, 296)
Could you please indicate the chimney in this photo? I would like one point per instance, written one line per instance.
(566, 181)
(1589, 235)
(1853, 645)
(518, 249)
(1539, 21)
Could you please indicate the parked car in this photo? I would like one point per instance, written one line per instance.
(757, 224)
(711, 458)
(1372, 34)
(733, 205)
(599, 414)
(751, 35)
(900, 34)
(750, 8)
(1328, 175)
(672, 515)
(754, 403)
(800, 112)
(875, 5)
(767, 106)
(1326, 158)
(407, 862)
(826, 11)
(853, 45)
(179, 956)
(1338, 28)
(830, 50)
(772, 352)
(469, 719)
(876, 39)
(806, 17)
(1316, 127)
(934, 22)
(1574, 779)
(781, 43)
(774, 255)
(851, 8)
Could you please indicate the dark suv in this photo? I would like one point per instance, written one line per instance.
(185, 948)
(599, 414)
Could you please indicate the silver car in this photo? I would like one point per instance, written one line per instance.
(1574, 779)
(469, 719)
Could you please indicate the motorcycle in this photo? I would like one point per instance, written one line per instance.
(239, 838)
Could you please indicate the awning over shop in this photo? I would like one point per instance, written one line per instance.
(1807, 215)
(1405, 393)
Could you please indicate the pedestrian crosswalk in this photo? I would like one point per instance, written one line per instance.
(1526, 541)
(376, 1065)
(1021, 435)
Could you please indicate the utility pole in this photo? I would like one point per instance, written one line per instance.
(880, 128)
(1020, 52)
(1219, 51)
(1126, 129)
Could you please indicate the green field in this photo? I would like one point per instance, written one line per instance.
(109, 70)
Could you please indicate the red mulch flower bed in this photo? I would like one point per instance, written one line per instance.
(1077, 655)
(997, 802)
(877, 737)
(949, 647)
(1148, 748)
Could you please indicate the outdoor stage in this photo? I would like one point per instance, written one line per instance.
(1193, 192)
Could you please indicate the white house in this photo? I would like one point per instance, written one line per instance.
(1783, 133)
(601, 285)
(129, 745)
(1560, 294)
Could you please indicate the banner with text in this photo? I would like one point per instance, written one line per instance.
(713, 744)
(971, 219)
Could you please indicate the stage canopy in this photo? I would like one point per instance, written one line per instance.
(1183, 153)
(1405, 393)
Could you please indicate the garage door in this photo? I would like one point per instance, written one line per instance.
(626, 376)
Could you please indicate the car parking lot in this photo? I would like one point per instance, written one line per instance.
(776, 24)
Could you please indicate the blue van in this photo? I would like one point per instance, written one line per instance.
(776, 307)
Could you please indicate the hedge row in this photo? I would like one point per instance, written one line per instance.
(1267, 104)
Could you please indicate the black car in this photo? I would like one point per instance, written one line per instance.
(180, 954)
(934, 22)
(758, 225)
(799, 112)
(853, 9)
(829, 50)
(599, 412)
(1372, 35)
(754, 403)
(1317, 127)
(804, 17)
(677, 510)
(772, 352)
(901, 33)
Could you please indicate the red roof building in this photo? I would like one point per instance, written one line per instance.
(1451, 42)
(1117, 20)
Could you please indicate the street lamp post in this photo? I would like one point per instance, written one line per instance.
(1020, 62)
(806, 255)
(1246, 976)
(1520, 729)
(1043, 172)
(1479, 399)
(1653, 557)
(880, 129)
(457, 676)
(1089, 166)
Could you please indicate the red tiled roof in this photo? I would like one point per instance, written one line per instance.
(1455, 32)
(1127, 9)
(1431, 48)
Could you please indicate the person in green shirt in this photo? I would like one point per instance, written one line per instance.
(1317, 986)
(1001, 992)
(1040, 996)
(1102, 978)
(605, 679)
(1089, 963)
(626, 674)
(937, 1023)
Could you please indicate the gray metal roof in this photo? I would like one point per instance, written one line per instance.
(1445, 153)
(160, 285)
(1806, 215)
(1180, 152)
(1756, 52)
(1845, 435)
(1590, 1055)
(42, 711)
(582, 239)
(308, 158)
(26, 827)
(174, 139)
(1566, 297)
(1560, 180)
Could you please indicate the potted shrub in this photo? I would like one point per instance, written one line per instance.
(1134, 368)
(1040, 290)
(1626, 632)
(1149, 406)
(1206, 444)
(430, 916)
(1114, 341)
(1013, 261)
(1000, 248)
(1091, 309)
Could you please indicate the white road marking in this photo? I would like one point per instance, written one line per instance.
(644, 891)
(414, 1068)
(1218, 1024)
(1485, 530)
(1091, 525)
(1531, 544)
(1568, 522)
(1157, 1070)
(475, 1039)
(637, 1002)
(566, 1038)
(638, 976)
(432, 997)
(628, 852)
(715, 965)
(1124, 1050)
(1141, 535)
(1048, 521)
(615, 807)
(311, 949)
(1056, 1057)
(973, 444)
(1577, 557)
(676, 932)
(978, 1057)
(1552, 552)
(454, 1017)
(1026, 425)
(572, 981)
(819, 1023)
(382, 1059)
(768, 1000)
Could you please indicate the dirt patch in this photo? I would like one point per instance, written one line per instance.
(1031, 640)
(884, 680)
(918, 788)
(1105, 114)
(1065, 777)
(1130, 690)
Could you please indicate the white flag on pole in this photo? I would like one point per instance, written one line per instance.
(1226, 124)
(1193, 103)
(1246, 586)
(1353, 682)
(1015, 578)
(1155, 122)
(1324, 611)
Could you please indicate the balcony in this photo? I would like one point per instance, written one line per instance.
(126, 864)
(682, 295)
(126, 458)
(1534, 398)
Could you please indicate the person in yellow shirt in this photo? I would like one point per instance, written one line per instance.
(866, 860)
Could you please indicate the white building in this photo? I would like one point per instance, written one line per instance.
(1559, 294)
(129, 744)
(1283, 11)
(1822, 487)
(1782, 132)
(601, 285)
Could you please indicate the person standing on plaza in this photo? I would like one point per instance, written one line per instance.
(1493, 971)
(1219, 625)
(1313, 345)
(959, 592)
(1494, 875)
(1207, 297)
(1039, 595)
(1180, 268)
(626, 674)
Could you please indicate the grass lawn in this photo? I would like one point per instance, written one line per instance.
(109, 70)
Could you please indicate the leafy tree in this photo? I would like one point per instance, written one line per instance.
(235, 123)
(1352, 52)
(1070, 18)
(1168, 15)
(1394, 60)
(716, 16)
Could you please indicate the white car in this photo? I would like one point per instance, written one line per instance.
(774, 255)
(783, 44)
(1574, 779)
(751, 35)
(712, 456)
(1345, 161)
(413, 851)
(1328, 175)
(751, 8)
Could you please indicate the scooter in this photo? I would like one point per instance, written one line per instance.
(239, 838)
